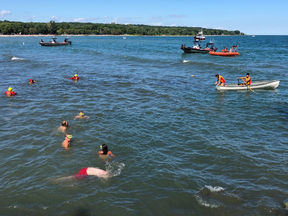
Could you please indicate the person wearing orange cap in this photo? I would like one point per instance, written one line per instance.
(31, 81)
(10, 92)
(75, 77)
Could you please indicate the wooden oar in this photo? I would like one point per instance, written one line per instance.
(249, 88)
(246, 85)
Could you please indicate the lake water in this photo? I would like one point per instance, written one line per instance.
(181, 146)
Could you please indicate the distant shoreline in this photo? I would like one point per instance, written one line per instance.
(91, 35)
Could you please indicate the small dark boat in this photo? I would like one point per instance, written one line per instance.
(55, 43)
(197, 48)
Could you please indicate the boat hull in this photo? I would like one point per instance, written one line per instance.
(224, 53)
(255, 85)
(195, 50)
(55, 44)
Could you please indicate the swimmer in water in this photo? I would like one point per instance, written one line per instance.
(88, 171)
(10, 92)
(67, 140)
(81, 115)
(31, 81)
(104, 153)
(75, 77)
(63, 127)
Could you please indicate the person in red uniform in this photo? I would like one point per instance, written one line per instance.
(75, 77)
(31, 81)
(247, 80)
(220, 79)
(10, 92)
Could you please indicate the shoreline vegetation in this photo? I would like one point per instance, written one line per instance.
(52, 28)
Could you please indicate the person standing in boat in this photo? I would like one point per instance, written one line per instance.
(220, 79)
(247, 80)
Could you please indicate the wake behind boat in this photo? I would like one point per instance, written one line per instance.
(55, 43)
(270, 84)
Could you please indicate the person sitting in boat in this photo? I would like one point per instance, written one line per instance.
(31, 81)
(247, 80)
(225, 50)
(220, 79)
(10, 92)
(42, 41)
(75, 77)
(66, 40)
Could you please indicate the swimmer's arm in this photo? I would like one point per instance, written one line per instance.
(100, 152)
(111, 154)
(76, 117)
(87, 117)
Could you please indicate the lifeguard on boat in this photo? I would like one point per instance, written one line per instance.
(225, 52)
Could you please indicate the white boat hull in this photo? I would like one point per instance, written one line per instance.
(255, 85)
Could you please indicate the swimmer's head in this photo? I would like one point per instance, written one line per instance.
(104, 148)
(64, 123)
(69, 136)
(217, 75)
(9, 89)
(30, 80)
(75, 75)
(81, 113)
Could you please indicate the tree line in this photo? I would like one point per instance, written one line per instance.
(76, 28)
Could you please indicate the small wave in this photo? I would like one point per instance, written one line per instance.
(205, 203)
(114, 168)
(16, 58)
(214, 189)
(185, 61)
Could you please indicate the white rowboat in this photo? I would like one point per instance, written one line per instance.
(270, 84)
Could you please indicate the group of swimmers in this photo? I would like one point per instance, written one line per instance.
(246, 80)
(10, 91)
(87, 171)
(104, 153)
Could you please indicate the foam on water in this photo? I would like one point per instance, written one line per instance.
(205, 203)
(214, 189)
(115, 168)
(16, 58)
(185, 61)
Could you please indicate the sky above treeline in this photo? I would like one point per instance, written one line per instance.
(255, 17)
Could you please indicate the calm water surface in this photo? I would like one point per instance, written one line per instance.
(181, 146)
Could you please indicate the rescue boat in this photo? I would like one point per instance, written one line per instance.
(225, 52)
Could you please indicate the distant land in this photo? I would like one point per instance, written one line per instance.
(76, 28)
